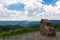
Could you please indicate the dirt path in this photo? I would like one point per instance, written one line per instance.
(28, 36)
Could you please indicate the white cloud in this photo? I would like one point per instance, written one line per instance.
(34, 10)
(10, 14)
(58, 4)
(50, 13)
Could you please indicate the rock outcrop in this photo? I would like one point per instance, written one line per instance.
(46, 28)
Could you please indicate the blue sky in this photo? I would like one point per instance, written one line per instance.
(20, 6)
(17, 7)
(49, 2)
(29, 9)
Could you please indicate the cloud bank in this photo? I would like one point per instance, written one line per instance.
(29, 9)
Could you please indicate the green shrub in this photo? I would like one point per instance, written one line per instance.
(58, 28)
(18, 31)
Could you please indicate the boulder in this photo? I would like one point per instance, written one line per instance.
(46, 28)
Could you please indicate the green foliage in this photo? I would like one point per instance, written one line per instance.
(9, 30)
(58, 28)
(9, 27)
(18, 31)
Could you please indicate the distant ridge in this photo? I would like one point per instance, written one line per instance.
(25, 22)
(55, 21)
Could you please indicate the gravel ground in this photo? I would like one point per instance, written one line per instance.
(31, 36)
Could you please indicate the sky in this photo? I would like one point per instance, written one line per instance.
(29, 10)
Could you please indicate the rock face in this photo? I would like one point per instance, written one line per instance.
(46, 28)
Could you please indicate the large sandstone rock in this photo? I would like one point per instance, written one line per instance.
(46, 28)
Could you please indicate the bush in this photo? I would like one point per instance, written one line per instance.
(58, 28)
(18, 31)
